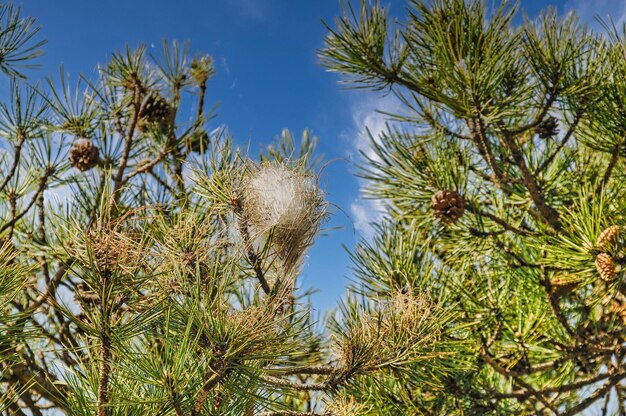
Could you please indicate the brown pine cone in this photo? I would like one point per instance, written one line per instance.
(155, 110)
(607, 238)
(448, 205)
(84, 154)
(605, 267)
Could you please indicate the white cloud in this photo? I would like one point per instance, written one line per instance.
(251, 9)
(367, 114)
(224, 65)
(366, 213)
(589, 10)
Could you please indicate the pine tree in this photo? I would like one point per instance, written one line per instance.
(148, 266)
(503, 184)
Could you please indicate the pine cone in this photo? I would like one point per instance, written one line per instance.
(547, 128)
(84, 154)
(607, 238)
(605, 267)
(155, 110)
(448, 205)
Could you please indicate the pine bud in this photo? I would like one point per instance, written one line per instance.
(201, 69)
(448, 205)
(84, 154)
(605, 267)
(607, 238)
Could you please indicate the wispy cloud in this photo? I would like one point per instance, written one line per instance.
(224, 65)
(590, 10)
(251, 9)
(365, 214)
(368, 123)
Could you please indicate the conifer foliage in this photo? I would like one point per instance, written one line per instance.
(148, 266)
(504, 187)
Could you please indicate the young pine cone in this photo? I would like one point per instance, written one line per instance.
(155, 110)
(605, 267)
(84, 154)
(607, 238)
(547, 128)
(448, 205)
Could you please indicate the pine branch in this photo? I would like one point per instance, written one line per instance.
(294, 385)
(557, 389)
(290, 413)
(596, 395)
(128, 143)
(253, 258)
(43, 181)
(609, 169)
(523, 232)
(105, 358)
(216, 373)
(16, 161)
(316, 369)
(550, 215)
(479, 136)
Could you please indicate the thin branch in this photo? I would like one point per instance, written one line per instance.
(471, 208)
(550, 215)
(614, 379)
(145, 167)
(316, 369)
(290, 413)
(16, 162)
(128, 141)
(253, 258)
(609, 169)
(552, 95)
(42, 186)
(294, 385)
(556, 389)
(479, 136)
(217, 372)
(484, 354)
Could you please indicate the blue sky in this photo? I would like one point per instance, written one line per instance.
(267, 79)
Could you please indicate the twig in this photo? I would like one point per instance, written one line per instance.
(550, 215)
(42, 186)
(316, 369)
(498, 220)
(614, 379)
(294, 385)
(290, 413)
(253, 258)
(16, 161)
(609, 169)
(105, 357)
